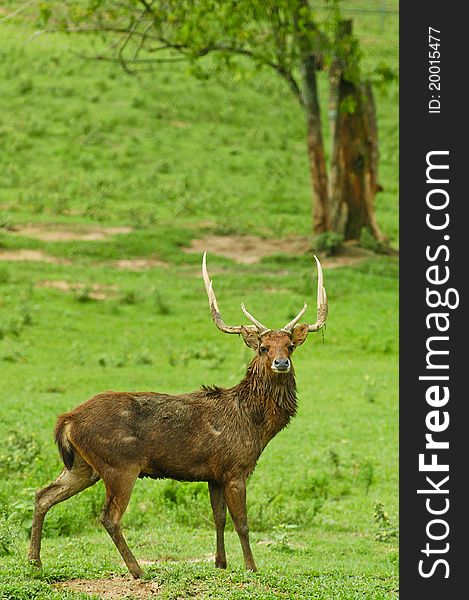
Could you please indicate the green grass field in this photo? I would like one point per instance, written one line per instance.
(174, 159)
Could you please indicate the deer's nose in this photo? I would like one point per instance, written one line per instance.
(281, 364)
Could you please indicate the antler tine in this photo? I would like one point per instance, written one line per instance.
(289, 326)
(212, 301)
(259, 327)
(322, 307)
(208, 284)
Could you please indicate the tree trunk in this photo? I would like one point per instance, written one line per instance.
(344, 29)
(354, 161)
(317, 160)
(371, 133)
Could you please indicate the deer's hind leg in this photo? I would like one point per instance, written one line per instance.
(119, 485)
(67, 484)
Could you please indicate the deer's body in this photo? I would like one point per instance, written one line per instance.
(214, 435)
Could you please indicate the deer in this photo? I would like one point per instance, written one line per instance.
(214, 435)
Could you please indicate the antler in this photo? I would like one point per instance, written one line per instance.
(215, 311)
(321, 306)
(289, 326)
(259, 327)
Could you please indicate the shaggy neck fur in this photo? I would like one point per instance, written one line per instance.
(269, 398)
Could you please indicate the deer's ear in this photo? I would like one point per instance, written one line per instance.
(251, 339)
(300, 333)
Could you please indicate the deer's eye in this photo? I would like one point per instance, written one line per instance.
(263, 349)
(291, 348)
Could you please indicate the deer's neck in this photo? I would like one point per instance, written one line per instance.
(268, 398)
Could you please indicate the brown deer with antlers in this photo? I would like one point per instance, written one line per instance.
(214, 434)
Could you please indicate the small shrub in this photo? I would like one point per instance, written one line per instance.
(11, 355)
(22, 510)
(130, 297)
(162, 307)
(144, 358)
(25, 86)
(7, 536)
(282, 535)
(84, 294)
(55, 389)
(186, 501)
(371, 390)
(122, 361)
(13, 327)
(369, 242)
(316, 492)
(327, 242)
(334, 458)
(140, 218)
(367, 475)
(26, 314)
(4, 275)
(385, 529)
(103, 361)
(138, 102)
(212, 355)
(60, 206)
(164, 167)
(6, 223)
(96, 207)
(19, 450)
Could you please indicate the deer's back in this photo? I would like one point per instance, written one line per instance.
(201, 436)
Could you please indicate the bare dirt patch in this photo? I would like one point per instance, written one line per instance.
(250, 249)
(31, 256)
(55, 232)
(97, 291)
(139, 264)
(111, 589)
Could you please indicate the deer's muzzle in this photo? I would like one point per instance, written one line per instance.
(281, 365)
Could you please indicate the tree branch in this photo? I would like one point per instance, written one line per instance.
(281, 70)
(114, 59)
(132, 31)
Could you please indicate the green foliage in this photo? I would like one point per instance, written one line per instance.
(7, 537)
(6, 222)
(19, 451)
(4, 274)
(328, 242)
(385, 528)
(84, 294)
(367, 475)
(281, 535)
(130, 297)
(368, 241)
(162, 307)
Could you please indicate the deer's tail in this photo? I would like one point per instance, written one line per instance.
(62, 439)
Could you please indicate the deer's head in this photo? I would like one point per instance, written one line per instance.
(274, 347)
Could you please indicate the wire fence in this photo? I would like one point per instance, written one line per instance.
(376, 24)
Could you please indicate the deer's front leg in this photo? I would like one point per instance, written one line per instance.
(217, 501)
(235, 497)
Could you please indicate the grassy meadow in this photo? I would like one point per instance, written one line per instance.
(106, 181)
